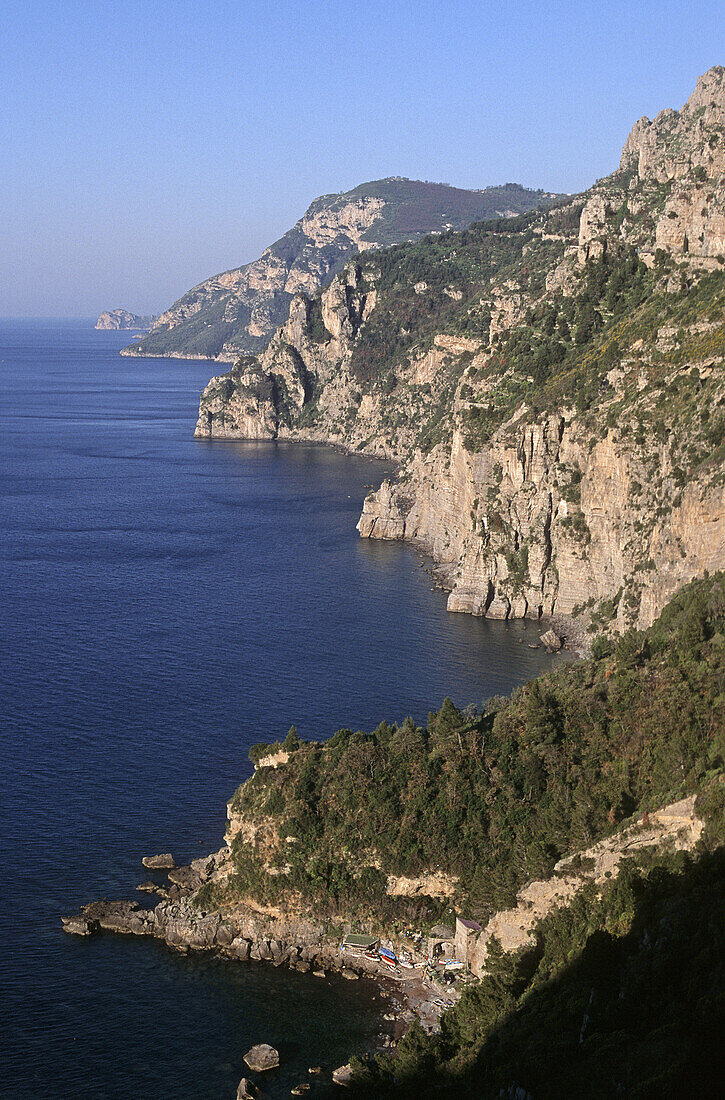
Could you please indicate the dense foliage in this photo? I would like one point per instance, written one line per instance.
(414, 282)
(499, 796)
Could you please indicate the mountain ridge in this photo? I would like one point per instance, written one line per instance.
(237, 311)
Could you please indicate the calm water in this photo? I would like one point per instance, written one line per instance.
(165, 604)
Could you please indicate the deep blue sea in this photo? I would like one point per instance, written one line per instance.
(165, 603)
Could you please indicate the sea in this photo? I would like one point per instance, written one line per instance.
(164, 604)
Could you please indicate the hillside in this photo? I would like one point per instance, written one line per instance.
(237, 311)
(474, 805)
(581, 822)
(607, 976)
(552, 386)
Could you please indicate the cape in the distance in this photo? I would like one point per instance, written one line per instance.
(237, 312)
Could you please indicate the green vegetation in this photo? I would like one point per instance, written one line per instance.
(497, 796)
(405, 319)
(622, 992)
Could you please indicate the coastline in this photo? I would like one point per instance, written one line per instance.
(574, 640)
(250, 934)
(171, 355)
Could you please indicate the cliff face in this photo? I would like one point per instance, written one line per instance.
(511, 545)
(121, 319)
(238, 311)
(552, 388)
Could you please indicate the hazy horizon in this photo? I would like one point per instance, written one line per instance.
(147, 149)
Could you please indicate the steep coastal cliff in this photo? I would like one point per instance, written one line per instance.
(237, 311)
(552, 386)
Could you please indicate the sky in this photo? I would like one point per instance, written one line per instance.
(145, 146)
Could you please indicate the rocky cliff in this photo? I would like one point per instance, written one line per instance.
(552, 386)
(122, 319)
(237, 311)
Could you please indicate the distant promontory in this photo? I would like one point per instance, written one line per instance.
(123, 319)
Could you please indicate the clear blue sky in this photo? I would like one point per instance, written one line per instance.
(147, 145)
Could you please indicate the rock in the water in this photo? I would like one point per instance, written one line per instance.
(551, 641)
(246, 1090)
(163, 862)
(261, 1057)
(315, 1070)
(79, 926)
(350, 974)
(147, 887)
(342, 1075)
(300, 1090)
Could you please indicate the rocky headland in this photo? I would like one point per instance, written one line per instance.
(540, 824)
(236, 312)
(552, 387)
(118, 319)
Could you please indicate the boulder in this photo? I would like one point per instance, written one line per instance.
(262, 1057)
(246, 1090)
(551, 641)
(147, 887)
(79, 926)
(224, 935)
(239, 947)
(342, 1075)
(351, 975)
(163, 862)
(300, 1090)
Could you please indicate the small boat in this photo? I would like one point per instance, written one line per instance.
(390, 965)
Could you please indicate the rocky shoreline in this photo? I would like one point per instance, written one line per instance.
(248, 934)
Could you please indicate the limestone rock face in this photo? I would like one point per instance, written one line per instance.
(679, 161)
(117, 319)
(441, 508)
(550, 513)
(676, 825)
